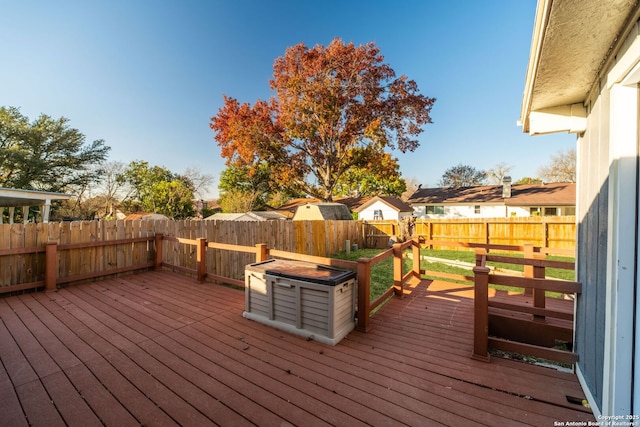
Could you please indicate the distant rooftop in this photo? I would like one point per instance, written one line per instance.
(556, 194)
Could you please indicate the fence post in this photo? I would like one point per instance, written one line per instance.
(481, 314)
(201, 259)
(545, 231)
(364, 306)
(487, 239)
(261, 252)
(50, 266)
(158, 245)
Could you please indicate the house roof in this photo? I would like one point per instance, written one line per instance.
(292, 205)
(573, 42)
(322, 211)
(247, 216)
(392, 201)
(144, 216)
(552, 194)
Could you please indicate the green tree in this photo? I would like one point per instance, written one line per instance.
(239, 201)
(156, 189)
(462, 176)
(377, 176)
(329, 101)
(46, 154)
(528, 180)
(252, 184)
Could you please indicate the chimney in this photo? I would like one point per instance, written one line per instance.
(506, 187)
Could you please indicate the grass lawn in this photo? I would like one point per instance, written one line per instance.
(382, 273)
(470, 257)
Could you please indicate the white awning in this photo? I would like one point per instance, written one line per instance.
(12, 198)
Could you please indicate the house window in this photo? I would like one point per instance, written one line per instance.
(377, 214)
(535, 211)
(476, 209)
(435, 210)
(550, 211)
(569, 211)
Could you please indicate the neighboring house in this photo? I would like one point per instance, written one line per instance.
(583, 77)
(383, 208)
(391, 207)
(12, 198)
(247, 216)
(495, 201)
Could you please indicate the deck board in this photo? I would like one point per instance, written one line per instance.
(158, 348)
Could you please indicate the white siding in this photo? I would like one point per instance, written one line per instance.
(468, 211)
(387, 212)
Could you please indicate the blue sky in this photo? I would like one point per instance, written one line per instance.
(147, 75)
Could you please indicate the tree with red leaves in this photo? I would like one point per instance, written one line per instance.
(335, 108)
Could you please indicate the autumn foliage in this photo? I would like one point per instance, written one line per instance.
(334, 108)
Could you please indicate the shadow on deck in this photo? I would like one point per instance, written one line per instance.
(159, 349)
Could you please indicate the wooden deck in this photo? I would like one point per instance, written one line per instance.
(159, 349)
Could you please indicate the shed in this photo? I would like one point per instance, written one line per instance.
(322, 211)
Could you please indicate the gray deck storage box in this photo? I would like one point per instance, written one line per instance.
(306, 299)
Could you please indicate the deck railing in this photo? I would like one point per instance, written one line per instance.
(155, 257)
(362, 267)
(400, 278)
(525, 327)
(142, 253)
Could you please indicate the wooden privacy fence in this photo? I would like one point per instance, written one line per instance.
(550, 232)
(88, 247)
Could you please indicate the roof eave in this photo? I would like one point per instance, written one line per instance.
(539, 27)
(566, 62)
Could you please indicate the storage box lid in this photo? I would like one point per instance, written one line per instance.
(305, 271)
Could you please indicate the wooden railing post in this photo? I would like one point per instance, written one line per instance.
(158, 245)
(397, 270)
(539, 295)
(528, 269)
(416, 257)
(364, 302)
(261, 252)
(201, 259)
(50, 266)
(481, 314)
